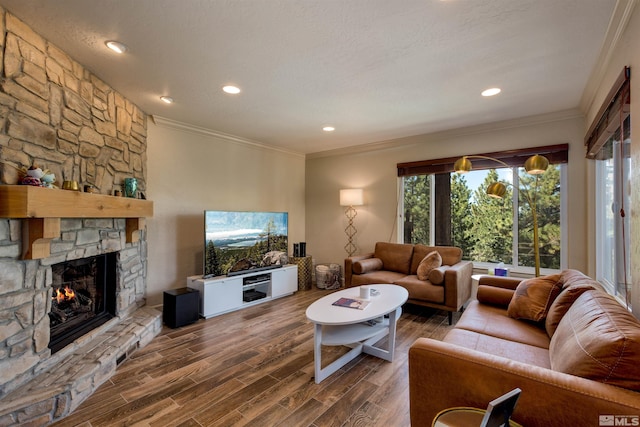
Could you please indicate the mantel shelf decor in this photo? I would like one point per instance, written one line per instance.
(42, 208)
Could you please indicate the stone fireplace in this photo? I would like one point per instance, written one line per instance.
(58, 115)
(83, 298)
(28, 291)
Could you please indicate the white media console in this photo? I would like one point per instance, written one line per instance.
(223, 294)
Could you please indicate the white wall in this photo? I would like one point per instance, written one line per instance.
(375, 171)
(192, 170)
(626, 53)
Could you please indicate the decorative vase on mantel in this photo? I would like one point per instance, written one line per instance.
(130, 187)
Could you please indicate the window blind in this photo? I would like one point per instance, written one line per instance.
(554, 153)
(613, 112)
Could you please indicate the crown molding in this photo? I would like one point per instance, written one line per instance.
(186, 127)
(617, 25)
(453, 133)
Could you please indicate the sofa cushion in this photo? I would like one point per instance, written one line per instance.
(598, 339)
(525, 353)
(421, 289)
(428, 263)
(436, 276)
(375, 277)
(562, 303)
(366, 265)
(492, 320)
(450, 255)
(533, 297)
(395, 256)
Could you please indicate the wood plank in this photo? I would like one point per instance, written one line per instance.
(215, 412)
(133, 228)
(36, 236)
(255, 367)
(26, 201)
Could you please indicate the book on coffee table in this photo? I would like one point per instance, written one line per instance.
(352, 303)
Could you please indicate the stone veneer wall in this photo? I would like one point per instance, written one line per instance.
(57, 114)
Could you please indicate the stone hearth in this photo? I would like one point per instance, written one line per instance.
(38, 387)
(73, 374)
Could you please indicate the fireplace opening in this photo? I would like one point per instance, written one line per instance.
(84, 297)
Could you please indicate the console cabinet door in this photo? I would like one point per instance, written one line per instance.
(284, 281)
(222, 295)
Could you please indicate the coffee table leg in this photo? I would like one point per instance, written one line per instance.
(386, 354)
(320, 373)
(393, 319)
(317, 352)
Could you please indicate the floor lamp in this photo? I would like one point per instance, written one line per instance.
(534, 165)
(350, 197)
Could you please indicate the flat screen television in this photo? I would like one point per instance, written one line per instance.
(237, 242)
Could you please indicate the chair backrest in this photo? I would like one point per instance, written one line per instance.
(500, 409)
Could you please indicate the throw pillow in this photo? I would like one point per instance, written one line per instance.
(494, 295)
(366, 265)
(436, 276)
(561, 305)
(428, 263)
(533, 297)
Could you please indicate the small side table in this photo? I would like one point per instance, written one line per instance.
(304, 271)
(460, 417)
(180, 307)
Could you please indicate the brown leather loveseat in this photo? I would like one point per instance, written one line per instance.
(572, 349)
(446, 285)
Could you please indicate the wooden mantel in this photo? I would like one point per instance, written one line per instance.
(42, 208)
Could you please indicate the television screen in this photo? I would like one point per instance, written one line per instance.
(239, 241)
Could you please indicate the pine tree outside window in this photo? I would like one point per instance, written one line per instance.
(489, 231)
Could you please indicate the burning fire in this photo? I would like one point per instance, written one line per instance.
(64, 295)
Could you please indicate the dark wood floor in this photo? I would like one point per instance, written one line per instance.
(254, 367)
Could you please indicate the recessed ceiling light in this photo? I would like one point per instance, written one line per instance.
(491, 92)
(231, 89)
(116, 46)
(167, 99)
(328, 128)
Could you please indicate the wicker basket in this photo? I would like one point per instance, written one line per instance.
(328, 276)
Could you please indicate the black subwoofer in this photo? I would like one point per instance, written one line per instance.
(180, 307)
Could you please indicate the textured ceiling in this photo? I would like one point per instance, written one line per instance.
(374, 69)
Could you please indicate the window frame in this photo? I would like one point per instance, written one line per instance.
(610, 119)
(515, 269)
(618, 248)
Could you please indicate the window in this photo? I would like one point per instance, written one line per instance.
(608, 142)
(484, 227)
(613, 202)
(417, 209)
(439, 207)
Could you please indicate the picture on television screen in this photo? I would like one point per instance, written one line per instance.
(239, 241)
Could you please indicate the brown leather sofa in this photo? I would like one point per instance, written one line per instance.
(448, 287)
(576, 360)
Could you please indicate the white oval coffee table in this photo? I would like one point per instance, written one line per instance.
(358, 329)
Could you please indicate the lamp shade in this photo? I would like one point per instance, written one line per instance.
(536, 165)
(351, 197)
(462, 165)
(497, 190)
